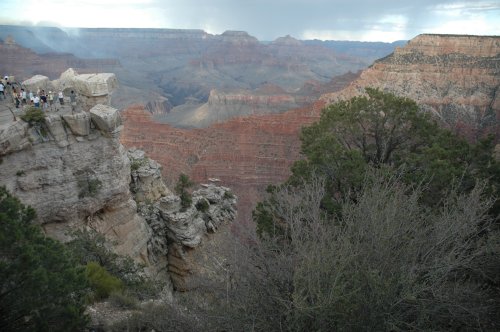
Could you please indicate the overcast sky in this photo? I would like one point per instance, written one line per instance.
(369, 20)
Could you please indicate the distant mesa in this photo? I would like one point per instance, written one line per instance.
(237, 37)
(288, 41)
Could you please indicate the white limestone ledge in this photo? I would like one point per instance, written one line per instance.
(63, 129)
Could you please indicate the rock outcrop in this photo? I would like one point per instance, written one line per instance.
(224, 105)
(160, 106)
(456, 78)
(91, 89)
(182, 230)
(178, 231)
(72, 169)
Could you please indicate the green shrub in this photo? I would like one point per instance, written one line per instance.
(20, 173)
(181, 189)
(137, 163)
(228, 195)
(186, 200)
(101, 281)
(33, 115)
(202, 205)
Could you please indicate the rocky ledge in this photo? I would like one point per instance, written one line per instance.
(72, 169)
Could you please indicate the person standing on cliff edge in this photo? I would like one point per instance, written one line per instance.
(72, 97)
(2, 89)
(61, 98)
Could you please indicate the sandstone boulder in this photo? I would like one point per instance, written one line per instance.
(95, 85)
(55, 125)
(106, 118)
(146, 181)
(68, 75)
(13, 137)
(66, 80)
(37, 82)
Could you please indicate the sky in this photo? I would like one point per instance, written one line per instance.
(365, 20)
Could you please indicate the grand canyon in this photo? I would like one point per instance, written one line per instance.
(249, 99)
(225, 109)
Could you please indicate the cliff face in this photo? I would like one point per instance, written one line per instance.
(457, 78)
(74, 177)
(72, 169)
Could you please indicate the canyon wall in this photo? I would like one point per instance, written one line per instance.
(245, 154)
(451, 76)
(456, 78)
(186, 65)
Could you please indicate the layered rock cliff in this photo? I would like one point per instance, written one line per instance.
(456, 78)
(71, 168)
(245, 154)
(224, 105)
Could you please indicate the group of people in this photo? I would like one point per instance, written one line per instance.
(40, 99)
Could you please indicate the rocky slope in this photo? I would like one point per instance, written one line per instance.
(72, 169)
(457, 78)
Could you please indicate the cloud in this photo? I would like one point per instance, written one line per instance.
(268, 19)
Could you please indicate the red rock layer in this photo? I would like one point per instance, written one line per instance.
(246, 154)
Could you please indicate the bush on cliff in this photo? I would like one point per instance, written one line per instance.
(41, 287)
(91, 246)
(101, 281)
(33, 115)
(181, 189)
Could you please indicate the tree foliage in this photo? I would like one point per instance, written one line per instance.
(41, 287)
(181, 189)
(388, 223)
(385, 131)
